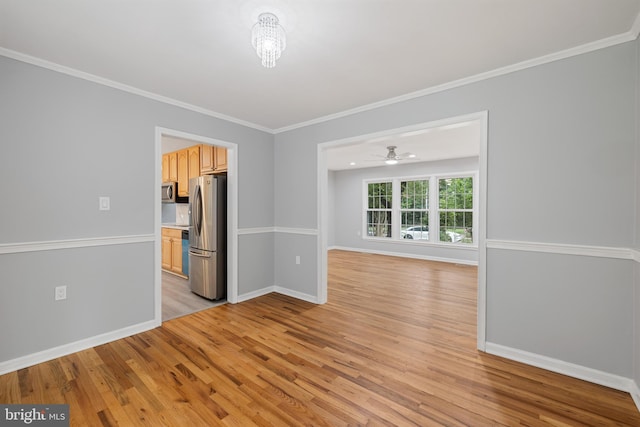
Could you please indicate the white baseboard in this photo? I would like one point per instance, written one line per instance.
(256, 294)
(635, 394)
(554, 365)
(63, 350)
(406, 255)
(296, 294)
(280, 290)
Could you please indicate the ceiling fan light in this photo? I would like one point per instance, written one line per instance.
(391, 161)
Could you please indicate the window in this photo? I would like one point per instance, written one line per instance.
(414, 212)
(455, 207)
(437, 209)
(379, 209)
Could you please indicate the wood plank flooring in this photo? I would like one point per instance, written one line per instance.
(395, 345)
(178, 300)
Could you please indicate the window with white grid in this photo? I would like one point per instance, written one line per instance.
(379, 209)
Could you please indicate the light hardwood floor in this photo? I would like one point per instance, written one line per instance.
(178, 300)
(395, 345)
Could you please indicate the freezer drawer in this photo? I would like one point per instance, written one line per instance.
(207, 276)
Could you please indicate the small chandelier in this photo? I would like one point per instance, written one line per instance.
(268, 38)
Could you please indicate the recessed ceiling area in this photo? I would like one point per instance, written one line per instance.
(341, 56)
(426, 145)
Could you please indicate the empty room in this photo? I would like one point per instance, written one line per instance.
(320, 213)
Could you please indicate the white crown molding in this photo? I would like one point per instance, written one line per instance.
(125, 88)
(630, 35)
(555, 248)
(63, 350)
(12, 248)
(576, 371)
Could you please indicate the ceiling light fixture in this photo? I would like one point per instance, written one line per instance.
(392, 157)
(268, 38)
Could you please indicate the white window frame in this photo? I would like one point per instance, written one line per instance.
(433, 209)
(474, 211)
(397, 188)
(365, 224)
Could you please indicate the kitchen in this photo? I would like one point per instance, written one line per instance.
(193, 278)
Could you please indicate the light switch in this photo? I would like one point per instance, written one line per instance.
(105, 203)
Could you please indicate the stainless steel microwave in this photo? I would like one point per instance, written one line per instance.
(169, 192)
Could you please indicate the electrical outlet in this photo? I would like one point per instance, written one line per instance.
(297, 259)
(61, 293)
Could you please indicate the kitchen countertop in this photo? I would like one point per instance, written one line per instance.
(176, 226)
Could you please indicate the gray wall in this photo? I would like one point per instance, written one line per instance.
(562, 159)
(64, 142)
(331, 208)
(346, 191)
(560, 170)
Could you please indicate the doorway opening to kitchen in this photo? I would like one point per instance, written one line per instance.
(180, 158)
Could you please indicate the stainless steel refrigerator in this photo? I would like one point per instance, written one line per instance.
(208, 236)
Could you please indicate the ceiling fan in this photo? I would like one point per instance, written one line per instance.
(392, 157)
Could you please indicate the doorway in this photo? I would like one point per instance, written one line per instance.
(324, 201)
(175, 140)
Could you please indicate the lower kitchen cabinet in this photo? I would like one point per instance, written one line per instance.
(172, 250)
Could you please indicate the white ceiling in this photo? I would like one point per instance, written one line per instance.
(341, 54)
(455, 140)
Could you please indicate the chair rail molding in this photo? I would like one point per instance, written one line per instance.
(20, 247)
(565, 249)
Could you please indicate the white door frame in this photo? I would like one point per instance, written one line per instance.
(323, 211)
(232, 214)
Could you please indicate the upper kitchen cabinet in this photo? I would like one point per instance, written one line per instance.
(169, 167)
(213, 159)
(183, 173)
(180, 166)
(165, 168)
(220, 159)
(173, 166)
(194, 161)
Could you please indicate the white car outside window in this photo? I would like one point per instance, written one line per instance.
(417, 233)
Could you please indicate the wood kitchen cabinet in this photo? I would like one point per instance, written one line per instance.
(194, 161)
(172, 250)
(207, 164)
(165, 167)
(180, 166)
(220, 159)
(183, 173)
(213, 159)
(170, 167)
(173, 166)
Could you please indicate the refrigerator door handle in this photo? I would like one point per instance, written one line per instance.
(198, 211)
(200, 255)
